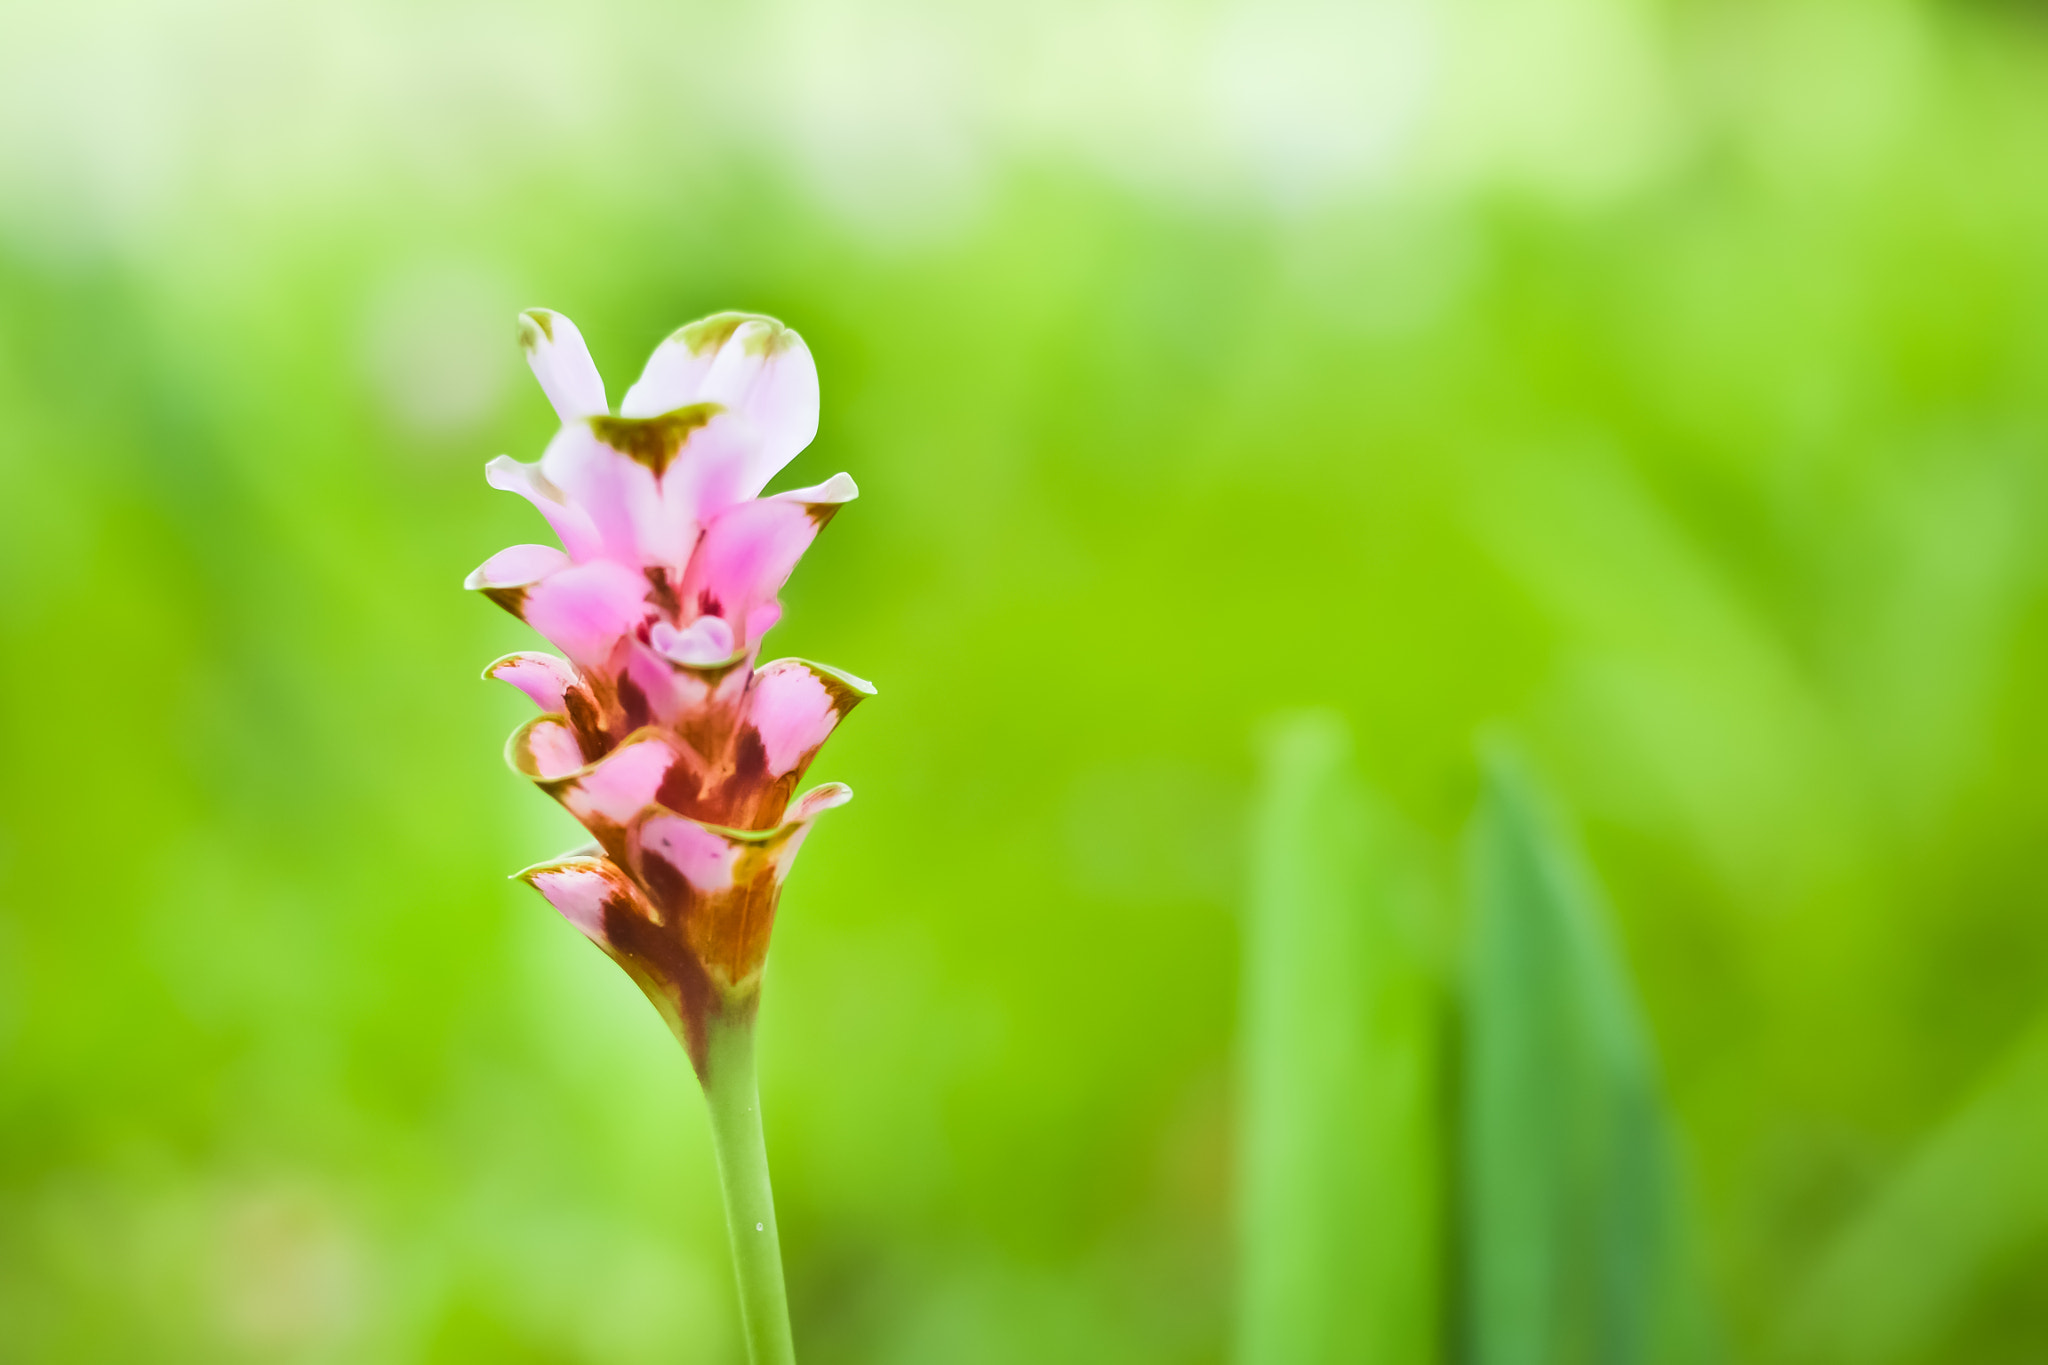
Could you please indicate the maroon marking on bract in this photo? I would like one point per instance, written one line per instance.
(632, 703)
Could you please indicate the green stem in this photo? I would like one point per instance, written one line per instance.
(734, 1098)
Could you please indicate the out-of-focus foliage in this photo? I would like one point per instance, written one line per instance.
(1670, 382)
(1541, 1136)
(1576, 1239)
(1972, 1201)
(1342, 1159)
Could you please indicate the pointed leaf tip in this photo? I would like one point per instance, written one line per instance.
(1578, 1216)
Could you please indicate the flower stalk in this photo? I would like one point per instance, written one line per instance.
(658, 729)
(732, 1094)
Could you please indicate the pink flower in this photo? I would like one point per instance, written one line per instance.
(658, 731)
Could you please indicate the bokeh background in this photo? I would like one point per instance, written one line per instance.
(1663, 383)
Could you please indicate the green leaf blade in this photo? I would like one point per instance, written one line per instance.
(1576, 1238)
(1341, 1204)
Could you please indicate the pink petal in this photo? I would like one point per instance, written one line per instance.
(713, 859)
(545, 749)
(706, 693)
(621, 784)
(585, 609)
(646, 485)
(721, 886)
(704, 857)
(795, 705)
(562, 364)
(654, 679)
(578, 536)
(705, 642)
(542, 677)
(711, 473)
(586, 891)
(748, 551)
(605, 795)
(621, 499)
(518, 566)
(762, 619)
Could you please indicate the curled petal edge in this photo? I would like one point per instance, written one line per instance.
(519, 755)
(580, 885)
(685, 983)
(858, 688)
(605, 906)
(570, 523)
(749, 550)
(836, 491)
(716, 859)
(722, 885)
(515, 568)
(544, 678)
(802, 811)
(795, 705)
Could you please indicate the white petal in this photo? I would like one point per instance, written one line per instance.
(840, 488)
(674, 375)
(749, 364)
(562, 364)
(765, 373)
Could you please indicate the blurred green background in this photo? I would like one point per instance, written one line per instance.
(1663, 384)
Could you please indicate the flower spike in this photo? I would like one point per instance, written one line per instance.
(654, 723)
(656, 729)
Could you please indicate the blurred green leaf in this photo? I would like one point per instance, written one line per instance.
(1341, 1172)
(1577, 1241)
(1972, 1199)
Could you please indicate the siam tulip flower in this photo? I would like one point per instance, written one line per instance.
(659, 729)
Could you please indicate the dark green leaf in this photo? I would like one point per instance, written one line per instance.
(1576, 1240)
